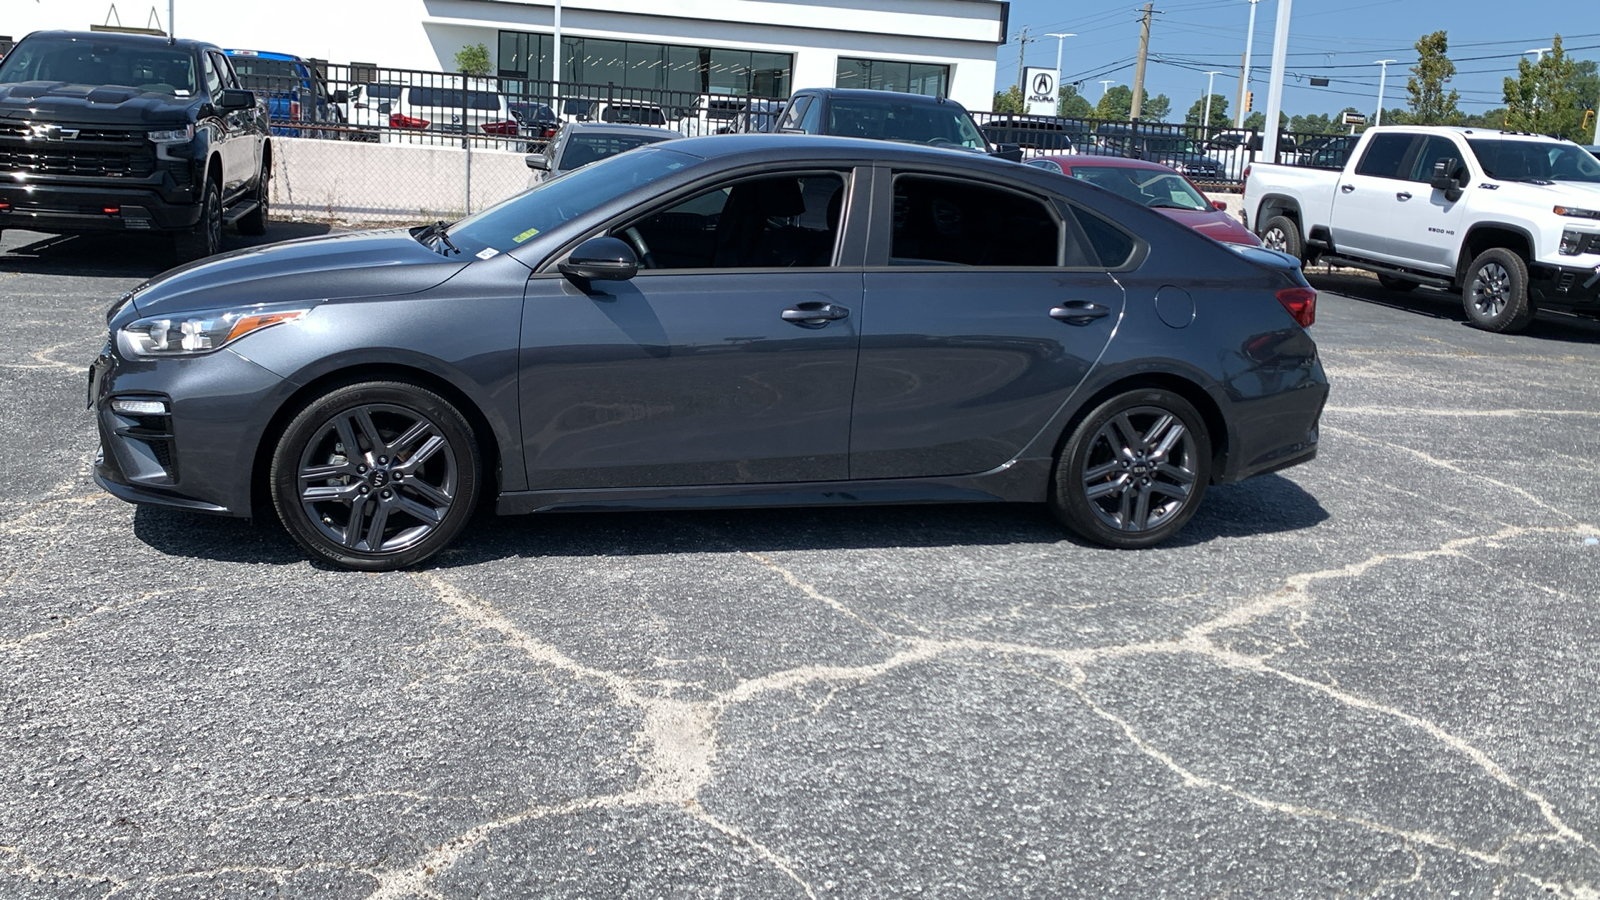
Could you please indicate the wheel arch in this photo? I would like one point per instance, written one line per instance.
(1273, 205)
(482, 431)
(1197, 396)
(1487, 236)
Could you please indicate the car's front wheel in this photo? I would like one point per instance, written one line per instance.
(255, 221)
(1134, 470)
(1495, 294)
(376, 475)
(205, 238)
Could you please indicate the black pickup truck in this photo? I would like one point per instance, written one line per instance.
(102, 131)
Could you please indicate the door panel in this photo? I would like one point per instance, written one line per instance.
(1369, 195)
(688, 378)
(961, 368)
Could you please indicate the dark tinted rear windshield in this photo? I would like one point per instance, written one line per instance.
(158, 69)
(891, 120)
(452, 98)
(383, 91)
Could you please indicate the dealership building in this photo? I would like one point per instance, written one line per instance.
(754, 48)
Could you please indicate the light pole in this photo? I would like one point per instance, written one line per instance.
(1383, 74)
(1280, 54)
(1106, 86)
(1539, 52)
(1060, 39)
(1211, 77)
(555, 70)
(1244, 71)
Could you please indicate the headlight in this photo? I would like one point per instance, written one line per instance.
(1576, 213)
(199, 332)
(177, 136)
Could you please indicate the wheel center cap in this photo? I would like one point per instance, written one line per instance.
(378, 478)
(1140, 469)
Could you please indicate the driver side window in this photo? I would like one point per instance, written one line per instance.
(213, 80)
(781, 221)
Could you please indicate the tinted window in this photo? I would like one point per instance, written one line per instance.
(633, 115)
(1111, 244)
(583, 149)
(453, 98)
(917, 123)
(1535, 161)
(1434, 149)
(157, 69)
(788, 221)
(1149, 187)
(955, 223)
(791, 116)
(383, 91)
(1384, 155)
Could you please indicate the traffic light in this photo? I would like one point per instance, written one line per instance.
(1249, 100)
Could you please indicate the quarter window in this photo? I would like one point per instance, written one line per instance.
(943, 222)
(784, 221)
(1384, 156)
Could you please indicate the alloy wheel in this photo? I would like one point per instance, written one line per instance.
(1491, 289)
(1140, 469)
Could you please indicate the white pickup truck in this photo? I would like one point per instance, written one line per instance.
(1510, 220)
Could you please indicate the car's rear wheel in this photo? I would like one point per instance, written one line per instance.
(1283, 235)
(1495, 294)
(376, 475)
(1134, 470)
(205, 238)
(1396, 284)
(255, 221)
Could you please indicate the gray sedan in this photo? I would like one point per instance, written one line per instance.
(722, 321)
(580, 143)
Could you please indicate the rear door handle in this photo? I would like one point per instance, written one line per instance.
(1403, 195)
(814, 315)
(1346, 188)
(1079, 312)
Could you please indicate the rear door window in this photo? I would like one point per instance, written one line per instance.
(944, 222)
(1385, 155)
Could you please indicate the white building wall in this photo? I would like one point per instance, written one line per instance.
(425, 34)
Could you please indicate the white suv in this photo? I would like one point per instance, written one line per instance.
(438, 114)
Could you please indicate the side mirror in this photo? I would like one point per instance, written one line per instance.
(235, 98)
(537, 161)
(1008, 152)
(1444, 177)
(600, 259)
(340, 96)
(1218, 204)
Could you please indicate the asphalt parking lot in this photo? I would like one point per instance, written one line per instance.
(1374, 675)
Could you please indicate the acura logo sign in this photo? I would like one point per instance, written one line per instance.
(52, 133)
(1044, 83)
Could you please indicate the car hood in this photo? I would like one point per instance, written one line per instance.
(1554, 194)
(1214, 224)
(58, 101)
(344, 266)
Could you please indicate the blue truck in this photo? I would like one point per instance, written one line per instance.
(297, 97)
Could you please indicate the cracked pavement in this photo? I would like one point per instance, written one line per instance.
(1370, 676)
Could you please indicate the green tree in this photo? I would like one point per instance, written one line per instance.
(1155, 109)
(1541, 98)
(1219, 111)
(1009, 101)
(1116, 103)
(1074, 104)
(473, 60)
(1430, 104)
(1316, 123)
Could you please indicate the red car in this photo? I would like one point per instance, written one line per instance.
(1159, 187)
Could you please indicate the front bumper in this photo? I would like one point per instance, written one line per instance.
(199, 452)
(62, 208)
(1567, 286)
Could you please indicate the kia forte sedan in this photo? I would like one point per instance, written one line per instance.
(723, 321)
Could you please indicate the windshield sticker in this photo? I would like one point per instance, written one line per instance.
(525, 235)
(180, 93)
(488, 253)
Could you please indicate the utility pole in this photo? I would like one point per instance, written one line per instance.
(1244, 70)
(1211, 77)
(1383, 75)
(1022, 51)
(1138, 71)
(1280, 55)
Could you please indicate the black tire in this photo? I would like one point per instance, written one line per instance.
(1495, 292)
(401, 498)
(255, 221)
(1114, 485)
(205, 238)
(1282, 234)
(1396, 284)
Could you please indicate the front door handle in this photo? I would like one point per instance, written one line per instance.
(814, 315)
(1346, 188)
(1403, 195)
(1079, 312)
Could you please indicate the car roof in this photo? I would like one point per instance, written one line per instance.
(120, 37)
(618, 128)
(264, 54)
(777, 148)
(864, 94)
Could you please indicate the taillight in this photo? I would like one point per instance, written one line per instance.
(549, 131)
(294, 109)
(1301, 302)
(1246, 175)
(506, 128)
(399, 121)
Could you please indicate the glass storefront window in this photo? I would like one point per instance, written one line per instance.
(648, 66)
(892, 75)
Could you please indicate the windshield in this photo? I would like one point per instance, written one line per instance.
(559, 200)
(1163, 190)
(1537, 162)
(583, 149)
(917, 123)
(157, 69)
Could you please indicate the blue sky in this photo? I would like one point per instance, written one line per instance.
(1337, 39)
